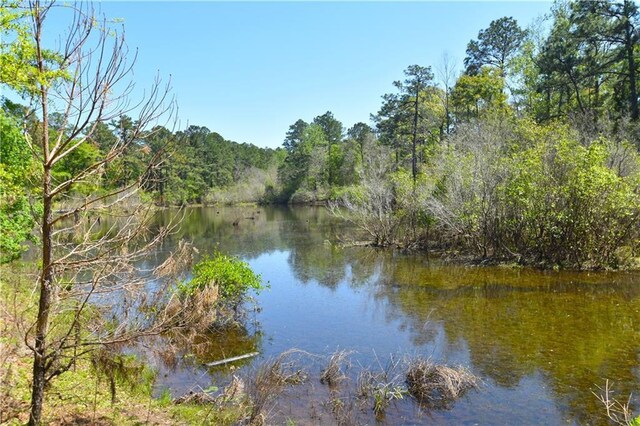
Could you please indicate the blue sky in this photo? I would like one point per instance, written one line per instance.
(249, 70)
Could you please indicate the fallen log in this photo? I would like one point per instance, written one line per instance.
(232, 359)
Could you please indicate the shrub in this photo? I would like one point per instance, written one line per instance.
(539, 194)
(232, 277)
(563, 205)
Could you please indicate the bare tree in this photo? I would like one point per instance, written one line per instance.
(447, 75)
(370, 209)
(91, 290)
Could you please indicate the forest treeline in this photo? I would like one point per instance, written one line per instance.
(529, 153)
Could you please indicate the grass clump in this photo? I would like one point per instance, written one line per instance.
(438, 385)
(269, 381)
(382, 387)
(332, 375)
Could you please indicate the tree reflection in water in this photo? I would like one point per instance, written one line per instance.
(567, 330)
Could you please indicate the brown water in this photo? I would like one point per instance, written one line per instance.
(541, 341)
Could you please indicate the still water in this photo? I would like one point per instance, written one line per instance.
(540, 341)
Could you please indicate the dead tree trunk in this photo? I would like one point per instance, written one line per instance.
(46, 276)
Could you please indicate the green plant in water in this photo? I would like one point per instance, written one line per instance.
(233, 277)
(383, 394)
(211, 389)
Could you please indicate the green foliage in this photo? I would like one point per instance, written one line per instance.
(16, 166)
(124, 370)
(18, 68)
(509, 188)
(233, 277)
(331, 127)
(294, 135)
(164, 400)
(202, 163)
(480, 94)
(412, 118)
(305, 167)
(573, 209)
(495, 46)
(81, 158)
(383, 395)
(539, 194)
(588, 63)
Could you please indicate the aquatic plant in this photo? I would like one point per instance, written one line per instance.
(269, 381)
(438, 385)
(618, 412)
(232, 276)
(332, 375)
(218, 288)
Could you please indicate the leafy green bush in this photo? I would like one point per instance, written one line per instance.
(540, 194)
(564, 205)
(233, 277)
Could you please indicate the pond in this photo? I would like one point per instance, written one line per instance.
(540, 341)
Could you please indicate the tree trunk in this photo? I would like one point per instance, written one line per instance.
(447, 112)
(329, 162)
(112, 388)
(397, 146)
(46, 277)
(576, 89)
(42, 322)
(414, 163)
(633, 91)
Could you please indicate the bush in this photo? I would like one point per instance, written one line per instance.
(539, 194)
(232, 277)
(563, 205)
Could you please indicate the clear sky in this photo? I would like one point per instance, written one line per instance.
(249, 70)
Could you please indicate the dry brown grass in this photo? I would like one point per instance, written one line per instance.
(332, 375)
(270, 380)
(438, 385)
(618, 412)
(197, 311)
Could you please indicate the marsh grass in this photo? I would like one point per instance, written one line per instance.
(380, 386)
(333, 375)
(269, 380)
(617, 412)
(437, 386)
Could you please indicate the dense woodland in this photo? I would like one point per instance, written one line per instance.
(530, 152)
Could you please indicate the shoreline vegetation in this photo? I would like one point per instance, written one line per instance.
(103, 388)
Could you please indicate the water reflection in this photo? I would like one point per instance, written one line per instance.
(540, 340)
